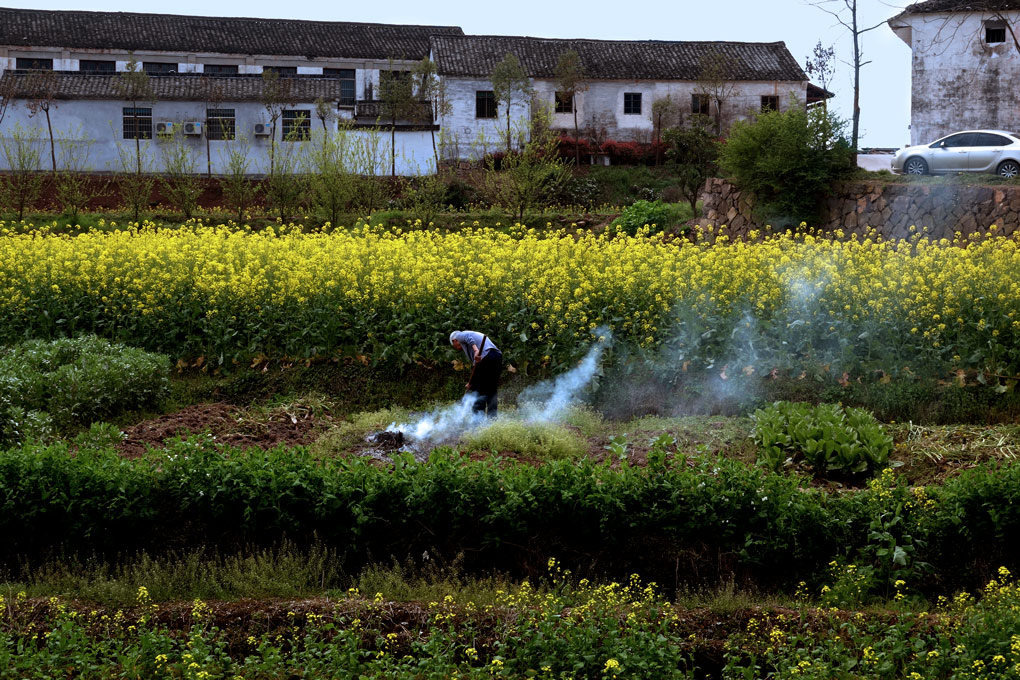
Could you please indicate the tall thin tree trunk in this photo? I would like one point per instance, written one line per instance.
(577, 135)
(53, 152)
(857, 84)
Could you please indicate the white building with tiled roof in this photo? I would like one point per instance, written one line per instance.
(965, 65)
(205, 75)
(623, 79)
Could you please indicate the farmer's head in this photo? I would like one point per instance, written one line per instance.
(455, 339)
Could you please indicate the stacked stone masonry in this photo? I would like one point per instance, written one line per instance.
(892, 209)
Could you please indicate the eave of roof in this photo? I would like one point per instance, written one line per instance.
(131, 31)
(64, 86)
(940, 6)
(476, 56)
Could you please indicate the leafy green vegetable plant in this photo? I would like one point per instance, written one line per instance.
(829, 438)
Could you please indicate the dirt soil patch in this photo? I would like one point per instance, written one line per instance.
(227, 425)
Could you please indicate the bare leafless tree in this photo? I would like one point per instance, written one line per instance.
(7, 94)
(846, 15)
(41, 91)
(715, 81)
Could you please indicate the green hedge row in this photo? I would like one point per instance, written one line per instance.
(73, 382)
(676, 521)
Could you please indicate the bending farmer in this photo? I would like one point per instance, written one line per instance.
(487, 362)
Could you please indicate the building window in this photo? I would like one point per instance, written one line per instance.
(97, 66)
(346, 77)
(281, 70)
(33, 64)
(769, 103)
(701, 103)
(159, 68)
(995, 32)
(219, 123)
(485, 104)
(564, 102)
(137, 123)
(632, 103)
(297, 125)
(219, 69)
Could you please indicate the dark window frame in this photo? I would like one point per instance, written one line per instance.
(160, 68)
(485, 104)
(701, 103)
(348, 83)
(562, 103)
(995, 32)
(137, 122)
(282, 71)
(296, 125)
(96, 66)
(769, 102)
(632, 103)
(33, 64)
(220, 124)
(220, 69)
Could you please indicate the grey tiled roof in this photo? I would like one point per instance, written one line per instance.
(228, 35)
(931, 6)
(614, 59)
(167, 88)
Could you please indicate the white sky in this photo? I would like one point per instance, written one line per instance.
(885, 82)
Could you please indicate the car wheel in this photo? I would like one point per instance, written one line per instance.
(1010, 169)
(915, 166)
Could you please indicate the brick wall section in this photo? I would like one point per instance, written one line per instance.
(890, 208)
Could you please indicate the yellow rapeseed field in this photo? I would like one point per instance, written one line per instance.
(236, 295)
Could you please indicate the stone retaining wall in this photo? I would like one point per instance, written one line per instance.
(890, 208)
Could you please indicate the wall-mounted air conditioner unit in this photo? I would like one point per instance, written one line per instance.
(262, 129)
(193, 128)
(164, 128)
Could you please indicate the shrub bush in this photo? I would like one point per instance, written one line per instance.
(829, 438)
(788, 161)
(656, 214)
(75, 381)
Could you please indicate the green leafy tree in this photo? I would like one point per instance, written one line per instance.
(332, 165)
(432, 90)
(285, 188)
(180, 181)
(239, 190)
(21, 185)
(396, 94)
(529, 176)
(73, 184)
(510, 83)
(715, 81)
(692, 152)
(135, 87)
(135, 185)
(570, 81)
(42, 88)
(821, 66)
(789, 161)
(275, 97)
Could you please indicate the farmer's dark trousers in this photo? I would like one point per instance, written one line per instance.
(486, 382)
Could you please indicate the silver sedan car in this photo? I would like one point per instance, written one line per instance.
(992, 151)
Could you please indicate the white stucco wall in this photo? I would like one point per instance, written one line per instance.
(601, 104)
(603, 101)
(958, 81)
(467, 136)
(102, 123)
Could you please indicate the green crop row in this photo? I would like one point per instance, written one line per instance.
(678, 520)
(74, 382)
(565, 630)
